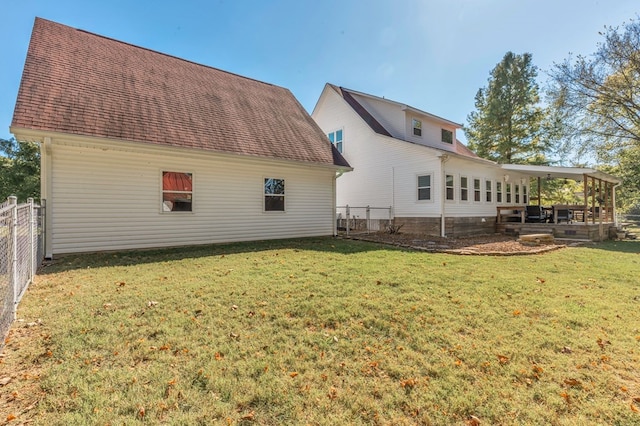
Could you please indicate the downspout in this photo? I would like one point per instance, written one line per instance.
(443, 195)
(46, 175)
(335, 194)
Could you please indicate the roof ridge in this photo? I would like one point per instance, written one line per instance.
(159, 52)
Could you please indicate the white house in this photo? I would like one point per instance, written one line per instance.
(142, 149)
(412, 161)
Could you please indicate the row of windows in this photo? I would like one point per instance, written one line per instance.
(336, 137)
(446, 135)
(177, 193)
(503, 191)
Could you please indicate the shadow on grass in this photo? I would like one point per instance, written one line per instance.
(142, 256)
(624, 246)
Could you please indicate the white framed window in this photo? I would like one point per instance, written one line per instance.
(424, 187)
(508, 192)
(498, 192)
(525, 195)
(488, 190)
(464, 188)
(274, 195)
(337, 139)
(417, 127)
(476, 190)
(177, 191)
(447, 136)
(449, 187)
(517, 193)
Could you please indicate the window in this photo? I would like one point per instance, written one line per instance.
(177, 192)
(517, 189)
(449, 187)
(525, 196)
(488, 189)
(447, 136)
(476, 190)
(273, 195)
(417, 127)
(498, 192)
(336, 139)
(508, 185)
(424, 187)
(464, 191)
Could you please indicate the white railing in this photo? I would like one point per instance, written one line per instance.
(21, 253)
(363, 219)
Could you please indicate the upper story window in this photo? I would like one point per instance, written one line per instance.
(336, 139)
(417, 127)
(464, 188)
(424, 187)
(177, 192)
(447, 136)
(273, 195)
(449, 187)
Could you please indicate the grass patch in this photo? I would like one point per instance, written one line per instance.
(326, 331)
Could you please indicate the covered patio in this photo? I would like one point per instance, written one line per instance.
(593, 218)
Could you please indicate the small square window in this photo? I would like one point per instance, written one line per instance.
(273, 195)
(417, 127)
(447, 136)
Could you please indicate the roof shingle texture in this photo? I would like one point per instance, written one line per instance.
(85, 84)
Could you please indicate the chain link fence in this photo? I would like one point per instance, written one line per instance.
(21, 253)
(353, 219)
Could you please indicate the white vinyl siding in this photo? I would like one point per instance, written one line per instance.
(104, 198)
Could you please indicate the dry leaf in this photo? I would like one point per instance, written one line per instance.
(516, 313)
(540, 280)
(11, 417)
(633, 408)
(473, 421)
(503, 359)
(572, 382)
(249, 416)
(293, 374)
(141, 412)
(218, 356)
(566, 350)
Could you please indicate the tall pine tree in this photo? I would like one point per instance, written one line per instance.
(507, 126)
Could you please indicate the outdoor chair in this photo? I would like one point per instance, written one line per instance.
(563, 214)
(536, 214)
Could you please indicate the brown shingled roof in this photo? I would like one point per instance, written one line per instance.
(85, 84)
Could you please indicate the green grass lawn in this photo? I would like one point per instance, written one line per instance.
(325, 332)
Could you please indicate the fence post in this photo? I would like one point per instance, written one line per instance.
(32, 258)
(13, 277)
(347, 213)
(368, 218)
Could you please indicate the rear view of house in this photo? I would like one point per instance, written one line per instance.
(142, 149)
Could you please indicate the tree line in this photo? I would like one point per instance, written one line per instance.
(589, 107)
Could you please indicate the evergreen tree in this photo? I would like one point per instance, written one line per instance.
(508, 124)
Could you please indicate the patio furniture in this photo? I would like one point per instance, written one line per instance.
(536, 214)
(560, 214)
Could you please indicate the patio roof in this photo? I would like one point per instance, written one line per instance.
(574, 173)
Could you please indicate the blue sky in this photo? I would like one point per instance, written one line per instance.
(431, 54)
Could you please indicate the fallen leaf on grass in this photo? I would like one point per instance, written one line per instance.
(141, 412)
(566, 350)
(516, 313)
(4, 381)
(11, 417)
(503, 359)
(249, 416)
(473, 421)
(572, 382)
(293, 374)
(633, 408)
(636, 399)
(218, 356)
(540, 280)
(151, 303)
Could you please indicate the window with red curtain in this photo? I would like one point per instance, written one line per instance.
(177, 191)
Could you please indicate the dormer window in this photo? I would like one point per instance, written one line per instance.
(417, 127)
(447, 136)
(336, 139)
